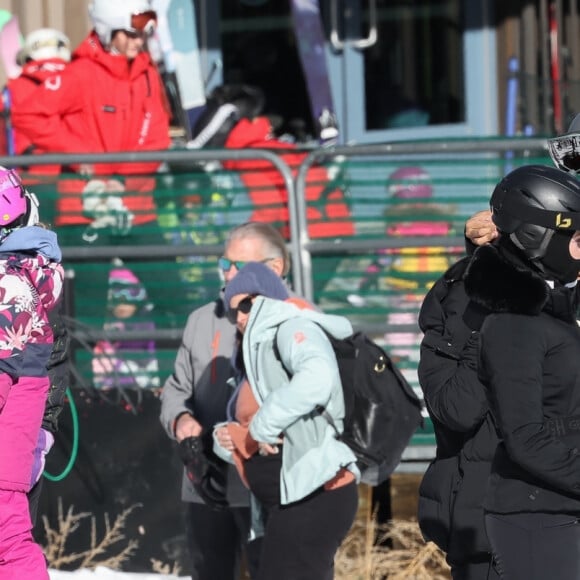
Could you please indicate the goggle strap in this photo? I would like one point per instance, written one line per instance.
(554, 220)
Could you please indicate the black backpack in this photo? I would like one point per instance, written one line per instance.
(382, 411)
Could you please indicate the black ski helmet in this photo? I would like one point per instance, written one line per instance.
(538, 207)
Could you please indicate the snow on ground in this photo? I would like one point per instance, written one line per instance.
(101, 573)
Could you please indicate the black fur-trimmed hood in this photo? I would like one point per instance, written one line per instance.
(502, 286)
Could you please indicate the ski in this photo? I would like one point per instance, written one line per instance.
(311, 47)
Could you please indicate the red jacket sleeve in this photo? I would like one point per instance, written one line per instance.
(39, 116)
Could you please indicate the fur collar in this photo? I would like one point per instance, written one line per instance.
(502, 286)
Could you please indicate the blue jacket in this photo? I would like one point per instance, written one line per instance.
(289, 382)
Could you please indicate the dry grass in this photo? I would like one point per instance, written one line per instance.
(106, 551)
(371, 551)
(366, 553)
(161, 568)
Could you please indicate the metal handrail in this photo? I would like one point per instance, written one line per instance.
(169, 156)
(140, 253)
(300, 245)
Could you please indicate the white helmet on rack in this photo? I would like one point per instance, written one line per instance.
(110, 15)
(43, 44)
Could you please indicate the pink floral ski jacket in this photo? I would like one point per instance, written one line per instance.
(30, 286)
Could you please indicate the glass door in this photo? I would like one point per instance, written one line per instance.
(404, 69)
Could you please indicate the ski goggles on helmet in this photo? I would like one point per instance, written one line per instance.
(142, 24)
(565, 152)
(553, 220)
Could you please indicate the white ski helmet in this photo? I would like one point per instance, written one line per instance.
(43, 44)
(110, 15)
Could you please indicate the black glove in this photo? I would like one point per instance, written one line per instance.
(206, 471)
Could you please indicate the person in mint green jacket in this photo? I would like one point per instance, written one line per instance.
(286, 452)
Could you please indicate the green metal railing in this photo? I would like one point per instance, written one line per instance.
(376, 273)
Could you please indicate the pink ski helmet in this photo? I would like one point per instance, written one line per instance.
(17, 206)
(413, 183)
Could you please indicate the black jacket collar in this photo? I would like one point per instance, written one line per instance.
(500, 282)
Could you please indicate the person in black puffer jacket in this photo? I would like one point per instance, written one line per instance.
(452, 490)
(529, 364)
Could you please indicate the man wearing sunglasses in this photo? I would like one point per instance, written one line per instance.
(110, 98)
(194, 399)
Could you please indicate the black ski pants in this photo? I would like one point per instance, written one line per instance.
(217, 539)
(301, 538)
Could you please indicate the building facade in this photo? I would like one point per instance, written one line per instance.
(390, 69)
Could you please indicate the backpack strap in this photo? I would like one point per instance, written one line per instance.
(322, 411)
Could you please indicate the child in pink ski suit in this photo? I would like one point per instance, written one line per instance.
(30, 285)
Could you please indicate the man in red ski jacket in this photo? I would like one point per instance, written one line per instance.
(110, 98)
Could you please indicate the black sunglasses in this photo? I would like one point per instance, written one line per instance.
(244, 306)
